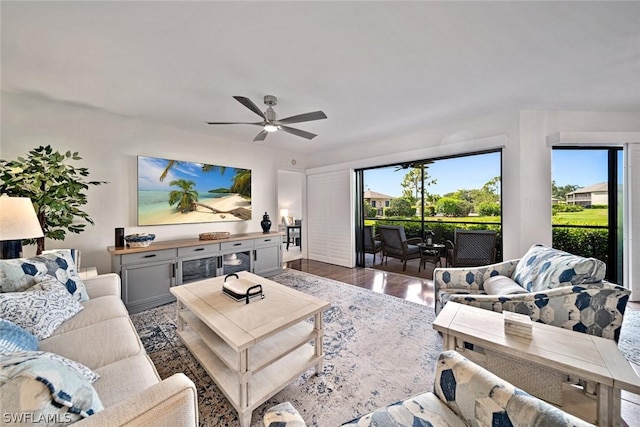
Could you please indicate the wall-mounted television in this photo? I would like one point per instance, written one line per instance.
(182, 192)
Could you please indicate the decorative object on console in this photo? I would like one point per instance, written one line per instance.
(119, 237)
(18, 221)
(265, 223)
(214, 235)
(139, 240)
(191, 192)
(57, 190)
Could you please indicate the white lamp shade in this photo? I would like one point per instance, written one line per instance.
(18, 219)
(284, 212)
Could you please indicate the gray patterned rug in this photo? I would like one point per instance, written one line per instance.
(629, 342)
(378, 349)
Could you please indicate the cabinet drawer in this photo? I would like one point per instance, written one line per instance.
(268, 241)
(148, 256)
(238, 245)
(212, 249)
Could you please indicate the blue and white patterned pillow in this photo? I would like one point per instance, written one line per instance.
(71, 396)
(21, 273)
(15, 338)
(41, 309)
(543, 268)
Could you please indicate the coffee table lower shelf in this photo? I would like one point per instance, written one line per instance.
(260, 385)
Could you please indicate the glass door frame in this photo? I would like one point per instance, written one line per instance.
(615, 259)
(359, 204)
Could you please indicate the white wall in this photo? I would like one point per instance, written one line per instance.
(109, 145)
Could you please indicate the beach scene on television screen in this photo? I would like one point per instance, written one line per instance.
(179, 192)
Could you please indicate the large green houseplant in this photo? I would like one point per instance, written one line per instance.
(56, 188)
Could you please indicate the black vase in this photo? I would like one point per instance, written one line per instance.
(265, 223)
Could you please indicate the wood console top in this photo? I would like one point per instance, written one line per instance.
(183, 243)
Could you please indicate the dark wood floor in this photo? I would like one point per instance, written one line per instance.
(403, 286)
(420, 290)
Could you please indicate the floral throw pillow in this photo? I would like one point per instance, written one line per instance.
(22, 273)
(41, 309)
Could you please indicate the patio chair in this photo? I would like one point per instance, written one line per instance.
(371, 245)
(471, 248)
(396, 245)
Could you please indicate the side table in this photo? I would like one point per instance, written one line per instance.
(431, 253)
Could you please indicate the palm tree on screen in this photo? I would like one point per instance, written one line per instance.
(186, 197)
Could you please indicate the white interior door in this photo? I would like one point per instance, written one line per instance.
(330, 217)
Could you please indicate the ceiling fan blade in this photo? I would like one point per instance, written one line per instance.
(250, 105)
(306, 117)
(235, 123)
(297, 132)
(261, 136)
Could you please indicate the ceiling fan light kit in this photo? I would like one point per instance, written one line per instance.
(270, 122)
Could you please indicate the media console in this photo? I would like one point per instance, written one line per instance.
(148, 273)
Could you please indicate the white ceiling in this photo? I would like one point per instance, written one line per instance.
(377, 69)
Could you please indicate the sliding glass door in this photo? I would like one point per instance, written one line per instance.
(431, 196)
(587, 204)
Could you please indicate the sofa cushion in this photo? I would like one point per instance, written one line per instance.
(15, 338)
(96, 310)
(502, 285)
(43, 386)
(21, 273)
(139, 372)
(41, 308)
(97, 345)
(543, 268)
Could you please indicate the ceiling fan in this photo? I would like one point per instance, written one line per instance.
(270, 122)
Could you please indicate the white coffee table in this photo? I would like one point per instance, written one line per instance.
(584, 356)
(253, 350)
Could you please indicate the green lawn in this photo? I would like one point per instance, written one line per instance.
(585, 217)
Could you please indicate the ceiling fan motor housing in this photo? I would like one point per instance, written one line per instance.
(270, 114)
(270, 100)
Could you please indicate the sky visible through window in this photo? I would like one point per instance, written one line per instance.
(569, 167)
(467, 172)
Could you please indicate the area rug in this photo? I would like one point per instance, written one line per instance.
(378, 349)
(629, 342)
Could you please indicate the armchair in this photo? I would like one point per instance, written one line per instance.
(471, 248)
(371, 245)
(548, 285)
(396, 245)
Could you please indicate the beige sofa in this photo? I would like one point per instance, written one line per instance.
(102, 337)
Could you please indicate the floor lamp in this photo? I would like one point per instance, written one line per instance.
(18, 220)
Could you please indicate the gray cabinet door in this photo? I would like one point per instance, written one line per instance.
(147, 285)
(267, 260)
